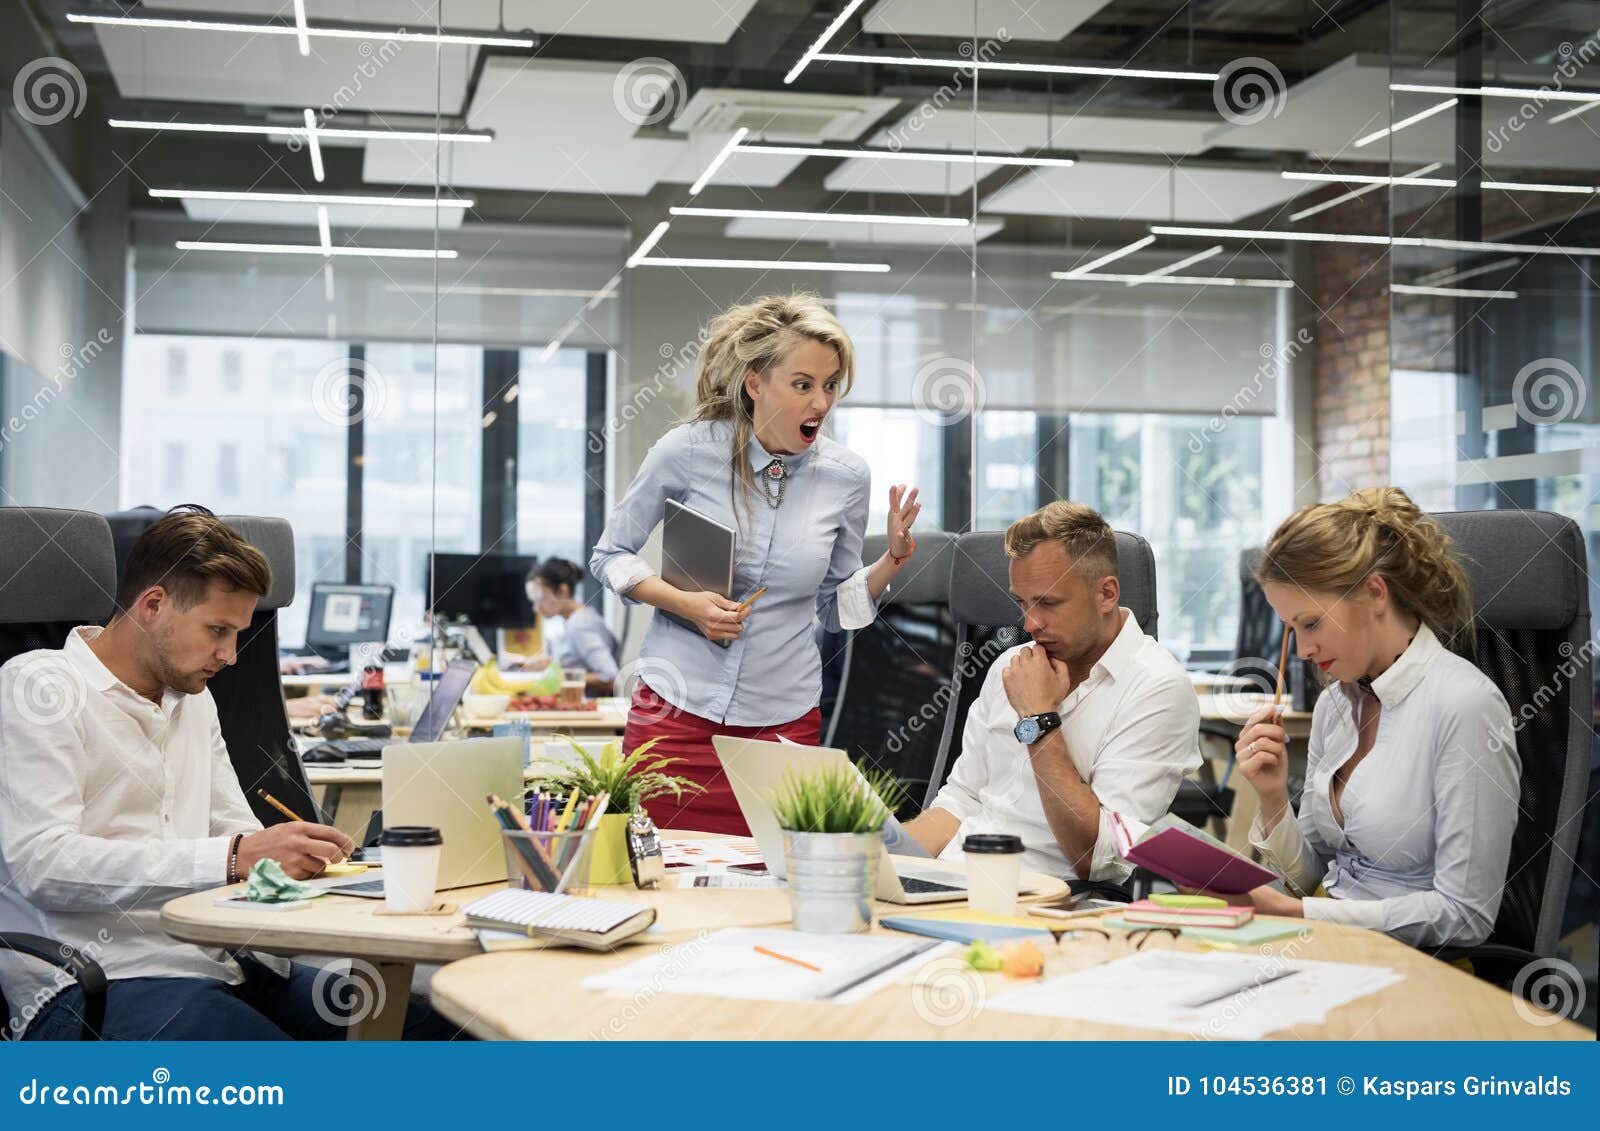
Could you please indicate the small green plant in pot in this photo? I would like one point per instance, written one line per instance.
(629, 781)
(832, 821)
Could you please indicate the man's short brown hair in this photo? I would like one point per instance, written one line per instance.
(1085, 536)
(184, 551)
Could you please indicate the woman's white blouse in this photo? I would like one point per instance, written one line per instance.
(1428, 813)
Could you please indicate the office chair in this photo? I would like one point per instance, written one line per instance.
(987, 623)
(57, 571)
(895, 680)
(1530, 591)
(249, 695)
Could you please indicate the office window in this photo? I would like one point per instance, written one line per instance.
(423, 470)
(900, 445)
(550, 404)
(177, 371)
(1007, 476)
(232, 372)
(281, 429)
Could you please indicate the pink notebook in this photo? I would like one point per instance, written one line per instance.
(1176, 850)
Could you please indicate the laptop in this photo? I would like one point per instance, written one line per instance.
(446, 697)
(444, 784)
(696, 555)
(755, 769)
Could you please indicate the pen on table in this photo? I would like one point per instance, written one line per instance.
(787, 958)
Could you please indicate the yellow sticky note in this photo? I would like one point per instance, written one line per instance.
(345, 869)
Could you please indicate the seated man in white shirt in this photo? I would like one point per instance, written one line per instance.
(117, 794)
(1093, 717)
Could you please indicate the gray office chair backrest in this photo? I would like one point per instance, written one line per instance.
(249, 695)
(57, 570)
(988, 621)
(1530, 593)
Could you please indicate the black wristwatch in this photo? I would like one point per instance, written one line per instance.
(1031, 728)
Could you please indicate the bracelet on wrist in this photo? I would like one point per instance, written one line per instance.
(233, 858)
(897, 560)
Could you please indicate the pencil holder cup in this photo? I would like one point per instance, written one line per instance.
(547, 861)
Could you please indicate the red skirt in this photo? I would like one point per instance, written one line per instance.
(688, 737)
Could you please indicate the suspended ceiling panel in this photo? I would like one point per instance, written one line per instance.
(1125, 191)
(1326, 114)
(685, 21)
(1022, 19)
(268, 70)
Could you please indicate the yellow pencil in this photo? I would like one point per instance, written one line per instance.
(1283, 661)
(566, 814)
(750, 600)
(278, 805)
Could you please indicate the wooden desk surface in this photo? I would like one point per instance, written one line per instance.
(536, 995)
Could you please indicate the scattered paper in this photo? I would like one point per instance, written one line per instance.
(728, 964)
(681, 853)
(1150, 991)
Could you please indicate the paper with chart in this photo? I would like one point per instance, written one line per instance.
(743, 962)
(1160, 991)
(709, 854)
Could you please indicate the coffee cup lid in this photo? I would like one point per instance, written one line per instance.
(992, 844)
(410, 836)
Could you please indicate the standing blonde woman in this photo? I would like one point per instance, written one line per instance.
(1411, 784)
(755, 459)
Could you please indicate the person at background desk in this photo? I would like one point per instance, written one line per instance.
(1412, 774)
(120, 795)
(1093, 717)
(584, 643)
(754, 458)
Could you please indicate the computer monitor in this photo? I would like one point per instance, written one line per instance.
(489, 590)
(342, 615)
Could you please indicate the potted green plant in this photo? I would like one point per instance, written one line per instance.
(832, 821)
(629, 782)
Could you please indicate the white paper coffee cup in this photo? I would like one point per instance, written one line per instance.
(410, 866)
(994, 872)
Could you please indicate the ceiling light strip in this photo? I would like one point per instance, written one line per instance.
(828, 33)
(324, 233)
(716, 162)
(1440, 182)
(299, 131)
(1381, 241)
(1540, 93)
(324, 31)
(1111, 257)
(1448, 292)
(1174, 268)
(1416, 176)
(300, 27)
(314, 146)
(316, 249)
(650, 241)
(824, 217)
(1451, 275)
(309, 198)
(949, 157)
(1419, 116)
(761, 264)
(1020, 68)
(1173, 280)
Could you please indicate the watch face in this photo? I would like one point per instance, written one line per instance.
(1027, 730)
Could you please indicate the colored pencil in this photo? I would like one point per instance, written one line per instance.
(750, 600)
(1283, 661)
(787, 958)
(278, 805)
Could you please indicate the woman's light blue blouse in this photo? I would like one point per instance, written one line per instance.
(802, 552)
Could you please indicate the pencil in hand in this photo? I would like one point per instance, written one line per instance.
(750, 600)
(1283, 661)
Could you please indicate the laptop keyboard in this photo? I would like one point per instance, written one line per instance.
(365, 887)
(915, 886)
(357, 747)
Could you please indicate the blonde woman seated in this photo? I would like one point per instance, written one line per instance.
(1412, 776)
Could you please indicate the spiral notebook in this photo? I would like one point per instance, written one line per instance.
(597, 924)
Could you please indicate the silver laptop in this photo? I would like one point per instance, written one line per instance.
(696, 555)
(756, 768)
(445, 784)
